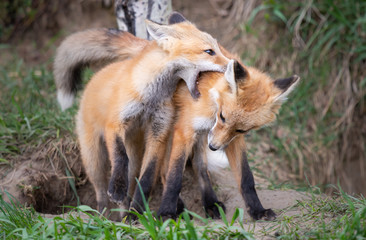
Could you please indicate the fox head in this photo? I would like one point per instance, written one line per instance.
(251, 101)
(197, 51)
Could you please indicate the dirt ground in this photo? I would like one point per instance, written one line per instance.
(39, 178)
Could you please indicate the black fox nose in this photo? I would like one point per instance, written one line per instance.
(212, 147)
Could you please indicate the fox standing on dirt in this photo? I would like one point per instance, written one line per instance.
(230, 106)
(129, 102)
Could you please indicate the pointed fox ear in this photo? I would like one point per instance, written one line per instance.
(176, 17)
(158, 31)
(235, 74)
(286, 85)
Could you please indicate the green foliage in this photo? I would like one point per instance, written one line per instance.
(14, 12)
(325, 27)
(15, 220)
(86, 223)
(320, 217)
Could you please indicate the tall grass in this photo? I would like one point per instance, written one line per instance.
(323, 133)
(28, 110)
(14, 217)
(29, 114)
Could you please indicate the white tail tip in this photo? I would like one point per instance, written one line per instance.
(65, 99)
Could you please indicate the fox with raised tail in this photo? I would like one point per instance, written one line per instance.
(129, 102)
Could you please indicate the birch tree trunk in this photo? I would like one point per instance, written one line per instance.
(131, 14)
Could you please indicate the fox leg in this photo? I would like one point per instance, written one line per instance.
(156, 140)
(199, 163)
(183, 140)
(126, 151)
(244, 177)
(95, 160)
(118, 183)
(164, 168)
(135, 146)
(180, 206)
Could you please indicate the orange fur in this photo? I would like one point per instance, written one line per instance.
(253, 103)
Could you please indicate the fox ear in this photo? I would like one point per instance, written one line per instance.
(158, 31)
(286, 85)
(235, 74)
(176, 17)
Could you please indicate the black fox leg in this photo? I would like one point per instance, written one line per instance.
(144, 185)
(182, 144)
(239, 164)
(172, 188)
(199, 163)
(118, 183)
(180, 206)
(250, 196)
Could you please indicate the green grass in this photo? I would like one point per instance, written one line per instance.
(321, 217)
(84, 222)
(29, 114)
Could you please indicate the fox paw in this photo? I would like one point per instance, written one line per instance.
(212, 210)
(167, 213)
(265, 214)
(165, 217)
(116, 197)
(180, 206)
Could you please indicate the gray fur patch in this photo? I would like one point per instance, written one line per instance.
(162, 120)
(162, 87)
(161, 90)
(131, 110)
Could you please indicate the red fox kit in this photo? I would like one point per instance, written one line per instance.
(230, 105)
(130, 99)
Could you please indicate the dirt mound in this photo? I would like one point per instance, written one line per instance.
(48, 177)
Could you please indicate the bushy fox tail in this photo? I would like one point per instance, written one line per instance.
(95, 46)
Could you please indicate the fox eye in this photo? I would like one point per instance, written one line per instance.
(222, 117)
(240, 131)
(210, 52)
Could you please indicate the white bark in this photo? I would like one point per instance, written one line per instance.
(131, 14)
